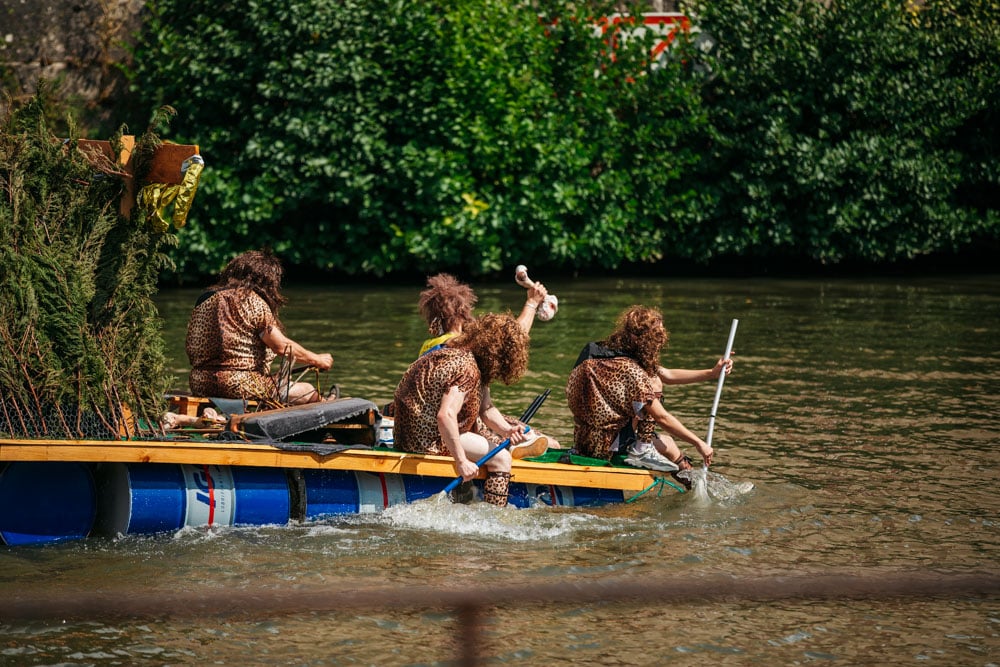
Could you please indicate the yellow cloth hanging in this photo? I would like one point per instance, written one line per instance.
(155, 198)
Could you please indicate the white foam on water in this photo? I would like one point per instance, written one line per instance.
(708, 486)
(438, 513)
(325, 530)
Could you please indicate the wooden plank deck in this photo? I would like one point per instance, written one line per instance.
(198, 451)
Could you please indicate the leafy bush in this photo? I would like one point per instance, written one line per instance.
(78, 327)
(380, 136)
(376, 136)
(854, 131)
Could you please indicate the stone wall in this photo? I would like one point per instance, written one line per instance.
(76, 45)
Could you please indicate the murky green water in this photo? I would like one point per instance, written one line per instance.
(864, 412)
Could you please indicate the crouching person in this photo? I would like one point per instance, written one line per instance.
(442, 394)
(614, 394)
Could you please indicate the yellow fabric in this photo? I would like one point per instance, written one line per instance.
(156, 197)
(432, 342)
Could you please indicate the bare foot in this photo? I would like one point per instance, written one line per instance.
(211, 417)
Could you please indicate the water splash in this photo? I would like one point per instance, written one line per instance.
(438, 513)
(708, 486)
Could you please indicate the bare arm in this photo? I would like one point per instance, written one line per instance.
(279, 342)
(496, 422)
(685, 376)
(536, 294)
(447, 420)
(674, 427)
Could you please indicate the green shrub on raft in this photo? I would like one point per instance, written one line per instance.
(78, 328)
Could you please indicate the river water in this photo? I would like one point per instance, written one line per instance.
(863, 411)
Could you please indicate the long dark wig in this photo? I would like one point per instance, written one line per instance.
(257, 270)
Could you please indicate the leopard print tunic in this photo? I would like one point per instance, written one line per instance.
(418, 398)
(433, 344)
(601, 393)
(224, 345)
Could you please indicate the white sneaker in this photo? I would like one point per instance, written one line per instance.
(651, 459)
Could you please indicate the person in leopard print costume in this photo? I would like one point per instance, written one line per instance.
(446, 305)
(443, 400)
(614, 395)
(234, 334)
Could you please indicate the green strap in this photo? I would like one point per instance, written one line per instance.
(658, 482)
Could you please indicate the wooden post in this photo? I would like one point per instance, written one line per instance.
(165, 168)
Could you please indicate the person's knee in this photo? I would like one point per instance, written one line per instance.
(474, 444)
(302, 392)
(501, 462)
(667, 440)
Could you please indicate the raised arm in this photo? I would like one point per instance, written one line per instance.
(536, 294)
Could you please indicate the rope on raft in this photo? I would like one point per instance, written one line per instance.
(658, 484)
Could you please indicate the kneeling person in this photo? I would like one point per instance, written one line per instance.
(614, 394)
(442, 394)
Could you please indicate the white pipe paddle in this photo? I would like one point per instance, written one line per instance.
(718, 390)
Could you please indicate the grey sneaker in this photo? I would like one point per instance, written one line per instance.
(651, 459)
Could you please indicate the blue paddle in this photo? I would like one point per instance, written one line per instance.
(528, 414)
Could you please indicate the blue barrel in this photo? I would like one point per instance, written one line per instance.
(140, 498)
(330, 492)
(262, 496)
(419, 487)
(42, 502)
(143, 498)
(534, 495)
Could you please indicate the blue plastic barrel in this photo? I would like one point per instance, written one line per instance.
(262, 496)
(330, 492)
(419, 487)
(143, 498)
(42, 502)
(534, 495)
(140, 498)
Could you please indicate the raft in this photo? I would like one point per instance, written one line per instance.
(274, 467)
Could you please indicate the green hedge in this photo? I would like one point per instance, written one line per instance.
(374, 137)
(863, 131)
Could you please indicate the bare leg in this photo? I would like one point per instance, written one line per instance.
(668, 447)
(302, 392)
(476, 447)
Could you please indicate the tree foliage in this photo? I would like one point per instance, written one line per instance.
(851, 131)
(381, 136)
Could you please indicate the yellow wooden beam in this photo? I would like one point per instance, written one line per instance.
(203, 452)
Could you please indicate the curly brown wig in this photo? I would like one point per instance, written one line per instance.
(258, 270)
(641, 334)
(446, 305)
(499, 345)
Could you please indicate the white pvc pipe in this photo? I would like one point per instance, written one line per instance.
(722, 378)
